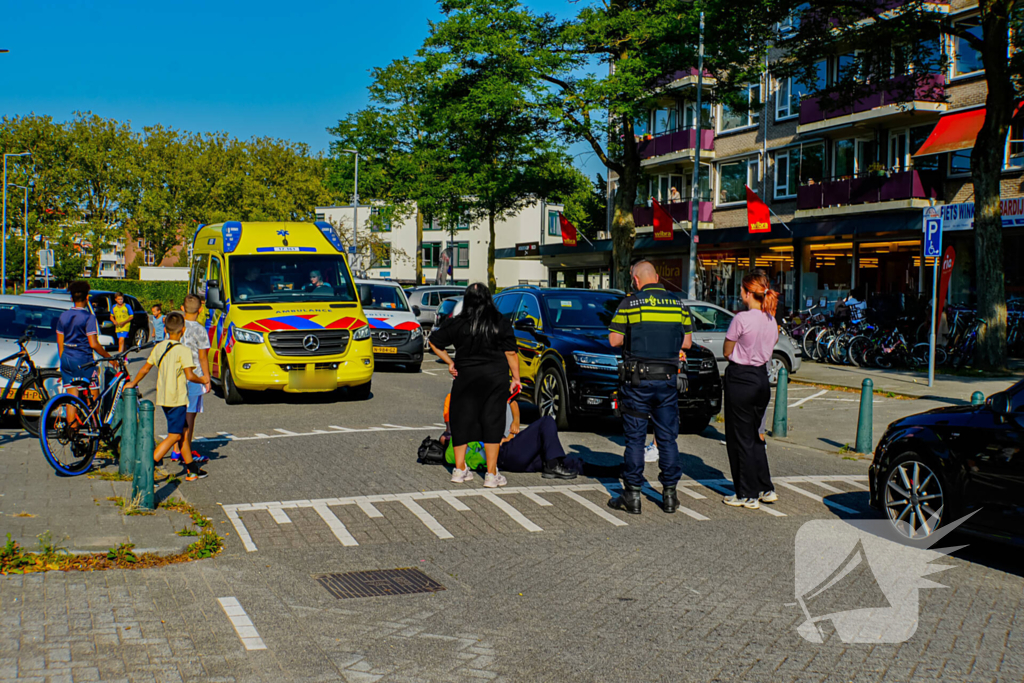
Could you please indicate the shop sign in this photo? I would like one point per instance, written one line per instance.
(947, 271)
(961, 216)
(527, 249)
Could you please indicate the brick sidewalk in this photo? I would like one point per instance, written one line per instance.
(903, 382)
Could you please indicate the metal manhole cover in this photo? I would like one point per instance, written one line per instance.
(377, 583)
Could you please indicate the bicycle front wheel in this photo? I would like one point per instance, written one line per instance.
(33, 394)
(69, 435)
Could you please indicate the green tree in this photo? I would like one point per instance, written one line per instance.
(878, 40)
(585, 203)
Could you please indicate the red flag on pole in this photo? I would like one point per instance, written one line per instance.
(758, 219)
(663, 222)
(568, 231)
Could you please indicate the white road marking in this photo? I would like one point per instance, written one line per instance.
(518, 516)
(812, 496)
(428, 519)
(279, 515)
(286, 432)
(454, 499)
(334, 524)
(262, 436)
(819, 484)
(243, 625)
(428, 372)
(224, 435)
(805, 400)
(340, 429)
(682, 508)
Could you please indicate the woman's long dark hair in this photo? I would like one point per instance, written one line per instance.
(479, 311)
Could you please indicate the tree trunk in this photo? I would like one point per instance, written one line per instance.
(419, 246)
(623, 224)
(986, 170)
(490, 252)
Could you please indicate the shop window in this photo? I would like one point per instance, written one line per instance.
(966, 59)
(829, 274)
(733, 118)
(431, 255)
(462, 254)
(1015, 145)
(732, 179)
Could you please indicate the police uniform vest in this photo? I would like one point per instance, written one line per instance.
(654, 323)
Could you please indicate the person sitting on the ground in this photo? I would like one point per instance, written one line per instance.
(535, 448)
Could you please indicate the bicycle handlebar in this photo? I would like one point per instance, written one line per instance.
(120, 356)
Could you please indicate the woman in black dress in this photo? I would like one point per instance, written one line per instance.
(485, 346)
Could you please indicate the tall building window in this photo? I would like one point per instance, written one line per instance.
(431, 254)
(733, 176)
(377, 222)
(462, 254)
(732, 118)
(798, 166)
(554, 226)
(320, 216)
(1015, 144)
(788, 97)
(966, 59)
(432, 224)
(664, 120)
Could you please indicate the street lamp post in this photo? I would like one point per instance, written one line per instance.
(3, 268)
(355, 209)
(24, 233)
(695, 191)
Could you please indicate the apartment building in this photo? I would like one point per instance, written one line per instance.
(395, 245)
(847, 187)
(112, 262)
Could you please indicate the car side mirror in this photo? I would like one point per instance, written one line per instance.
(213, 296)
(365, 295)
(105, 340)
(416, 311)
(525, 324)
(1000, 403)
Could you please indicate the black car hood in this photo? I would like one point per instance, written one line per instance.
(952, 415)
(592, 340)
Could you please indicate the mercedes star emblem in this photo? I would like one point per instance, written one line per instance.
(311, 342)
(383, 336)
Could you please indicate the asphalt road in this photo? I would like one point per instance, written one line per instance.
(537, 582)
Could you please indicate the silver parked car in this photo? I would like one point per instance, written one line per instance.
(428, 298)
(710, 323)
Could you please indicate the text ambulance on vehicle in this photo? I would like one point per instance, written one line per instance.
(283, 309)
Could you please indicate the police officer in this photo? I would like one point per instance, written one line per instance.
(652, 327)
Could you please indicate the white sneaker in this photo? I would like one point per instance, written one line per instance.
(461, 476)
(733, 501)
(493, 481)
(651, 453)
(768, 497)
(751, 504)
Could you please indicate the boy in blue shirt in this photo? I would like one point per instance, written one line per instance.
(76, 341)
(157, 313)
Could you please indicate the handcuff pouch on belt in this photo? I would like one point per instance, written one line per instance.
(635, 371)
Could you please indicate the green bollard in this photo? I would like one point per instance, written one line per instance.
(129, 430)
(143, 480)
(780, 421)
(977, 398)
(865, 443)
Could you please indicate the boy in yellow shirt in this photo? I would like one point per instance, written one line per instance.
(174, 364)
(122, 315)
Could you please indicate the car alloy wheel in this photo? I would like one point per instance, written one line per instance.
(914, 499)
(140, 337)
(550, 395)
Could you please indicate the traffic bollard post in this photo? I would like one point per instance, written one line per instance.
(977, 398)
(864, 441)
(142, 483)
(780, 420)
(129, 430)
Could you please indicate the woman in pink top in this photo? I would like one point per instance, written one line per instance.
(748, 346)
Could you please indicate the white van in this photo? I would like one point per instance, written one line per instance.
(394, 329)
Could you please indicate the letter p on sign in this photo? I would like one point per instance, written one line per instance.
(932, 237)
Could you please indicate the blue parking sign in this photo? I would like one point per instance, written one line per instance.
(932, 232)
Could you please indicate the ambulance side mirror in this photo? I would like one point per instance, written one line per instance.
(213, 295)
(365, 295)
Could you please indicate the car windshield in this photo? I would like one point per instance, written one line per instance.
(387, 298)
(17, 319)
(290, 278)
(582, 309)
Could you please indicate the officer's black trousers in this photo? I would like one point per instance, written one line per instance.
(746, 399)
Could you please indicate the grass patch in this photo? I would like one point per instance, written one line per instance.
(187, 532)
(130, 507)
(109, 476)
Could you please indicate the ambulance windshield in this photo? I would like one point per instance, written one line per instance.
(290, 278)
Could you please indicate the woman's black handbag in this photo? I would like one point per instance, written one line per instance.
(430, 452)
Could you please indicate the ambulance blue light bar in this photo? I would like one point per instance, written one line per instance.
(331, 233)
(232, 233)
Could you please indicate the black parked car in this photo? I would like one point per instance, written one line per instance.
(933, 468)
(567, 366)
(103, 302)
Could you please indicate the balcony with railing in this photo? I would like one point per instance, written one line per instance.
(869, 189)
(929, 95)
(683, 140)
(681, 212)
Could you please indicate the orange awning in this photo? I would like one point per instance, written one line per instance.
(953, 132)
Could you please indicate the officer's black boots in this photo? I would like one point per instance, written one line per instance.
(556, 469)
(669, 499)
(628, 501)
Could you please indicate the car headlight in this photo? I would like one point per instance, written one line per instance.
(596, 361)
(707, 364)
(247, 336)
(416, 332)
(362, 333)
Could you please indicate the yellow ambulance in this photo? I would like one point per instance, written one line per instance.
(283, 310)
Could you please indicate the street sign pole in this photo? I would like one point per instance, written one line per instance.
(933, 249)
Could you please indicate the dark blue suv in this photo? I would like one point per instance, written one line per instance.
(567, 366)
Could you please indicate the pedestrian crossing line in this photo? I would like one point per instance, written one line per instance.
(819, 484)
(455, 497)
(814, 496)
(428, 519)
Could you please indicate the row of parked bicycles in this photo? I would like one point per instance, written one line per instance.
(829, 338)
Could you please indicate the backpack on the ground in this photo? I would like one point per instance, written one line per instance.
(430, 452)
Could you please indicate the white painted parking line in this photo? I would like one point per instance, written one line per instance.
(232, 514)
(684, 487)
(428, 519)
(805, 400)
(819, 484)
(224, 435)
(812, 496)
(852, 482)
(369, 509)
(340, 429)
(262, 436)
(243, 625)
(286, 432)
(518, 516)
(339, 530)
(536, 499)
(721, 488)
(279, 515)
(455, 502)
(682, 508)
(593, 507)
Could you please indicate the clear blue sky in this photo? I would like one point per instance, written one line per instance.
(254, 68)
